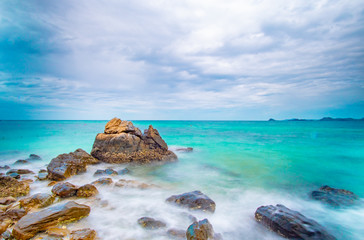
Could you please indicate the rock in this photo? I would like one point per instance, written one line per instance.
(19, 171)
(133, 184)
(83, 234)
(87, 190)
(334, 197)
(52, 183)
(39, 200)
(67, 165)
(4, 224)
(108, 171)
(42, 176)
(290, 224)
(7, 200)
(103, 181)
(201, 230)
(14, 175)
(39, 221)
(176, 233)
(10, 187)
(6, 167)
(195, 200)
(34, 157)
(15, 214)
(58, 232)
(121, 142)
(123, 171)
(65, 190)
(151, 223)
(188, 149)
(21, 161)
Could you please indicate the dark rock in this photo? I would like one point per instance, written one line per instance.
(108, 171)
(290, 224)
(19, 171)
(176, 233)
(7, 200)
(39, 200)
(39, 221)
(123, 171)
(151, 223)
(67, 165)
(65, 190)
(34, 157)
(6, 167)
(87, 190)
(83, 234)
(10, 187)
(202, 230)
(188, 149)
(334, 197)
(121, 142)
(21, 161)
(103, 181)
(195, 200)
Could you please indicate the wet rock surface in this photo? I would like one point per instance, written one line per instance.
(65, 190)
(86, 191)
(122, 142)
(108, 171)
(67, 165)
(19, 171)
(10, 187)
(290, 224)
(195, 200)
(83, 234)
(103, 181)
(334, 197)
(36, 222)
(39, 200)
(151, 223)
(202, 230)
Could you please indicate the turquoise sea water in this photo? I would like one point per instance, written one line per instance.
(240, 164)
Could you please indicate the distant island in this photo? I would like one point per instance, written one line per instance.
(325, 119)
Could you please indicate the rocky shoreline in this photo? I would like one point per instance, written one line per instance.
(47, 215)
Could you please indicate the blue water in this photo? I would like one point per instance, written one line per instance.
(240, 164)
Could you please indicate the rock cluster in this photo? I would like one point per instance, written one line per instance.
(122, 142)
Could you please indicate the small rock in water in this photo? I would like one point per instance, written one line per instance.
(6, 167)
(123, 171)
(19, 171)
(334, 197)
(21, 161)
(188, 149)
(176, 233)
(290, 224)
(34, 157)
(64, 190)
(151, 223)
(42, 176)
(83, 234)
(195, 200)
(108, 171)
(10, 187)
(202, 230)
(14, 175)
(133, 184)
(103, 181)
(86, 191)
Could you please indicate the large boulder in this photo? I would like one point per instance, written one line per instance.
(334, 197)
(10, 187)
(31, 224)
(195, 200)
(202, 230)
(122, 142)
(69, 164)
(290, 224)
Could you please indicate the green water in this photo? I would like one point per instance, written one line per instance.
(273, 162)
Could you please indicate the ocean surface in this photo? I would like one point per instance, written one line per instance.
(241, 165)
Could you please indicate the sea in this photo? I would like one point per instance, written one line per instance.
(241, 165)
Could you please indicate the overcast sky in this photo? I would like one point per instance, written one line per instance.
(205, 59)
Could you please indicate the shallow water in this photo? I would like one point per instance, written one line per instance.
(240, 165)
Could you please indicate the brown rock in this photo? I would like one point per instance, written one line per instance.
(36, 222)
(66, 165)
(103, 181)
(7, 200)
(202, 230)
(121, 142)
(15, 214)
(83, 234)
(4, 224)
(10, 187)
(151, 223)
(87, 190)
(133, 184)
(58, 232)
(19, 171)
(39, 200)
(176, 233)
(64, 190)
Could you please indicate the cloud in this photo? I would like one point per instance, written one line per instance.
(150, 59)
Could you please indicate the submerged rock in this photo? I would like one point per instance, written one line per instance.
(176, 233)
(83, 234)
(67, 165)
(19, 171)
(21, 161)
(87, 190)
(103, 181)
(65, 189)
(42, 175)
(334, 197)
(151, 223)
(123, 171)
(290, 224)
(10, 187)
(133, 184)
(108, 171)
(39, 200)
(188, 149)
(34, 157)
(195, 200)
(121, 142)
(202, 230)
(6, 167)
(36, 222)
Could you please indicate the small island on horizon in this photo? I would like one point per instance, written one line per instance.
(324, 119)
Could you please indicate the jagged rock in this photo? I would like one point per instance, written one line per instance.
(195, 200)
(334, 197)
(151, 223)
(176, 233)
(21, 161)
(10, 187)
(39, 221)
(67, 165)
(39, 200)
(103, 181)
(87, 190)
(290, 224)
(108, 171)
(121, 142)
(65, 189)
(19, 171)
(188, 149)
(7, 200)
(202, 230)
(133, 184)
(83, 234)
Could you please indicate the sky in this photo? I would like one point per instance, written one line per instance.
(181, 60)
